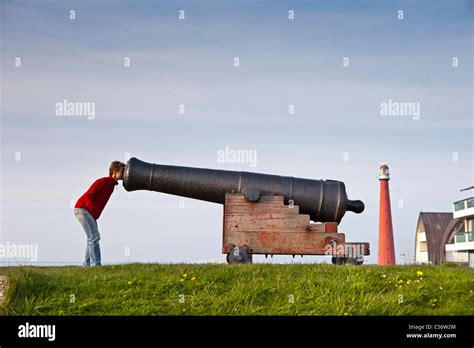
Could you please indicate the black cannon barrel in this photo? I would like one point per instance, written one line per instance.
(323, 200)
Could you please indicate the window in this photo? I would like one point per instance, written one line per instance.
(459, 206)
(470, 202)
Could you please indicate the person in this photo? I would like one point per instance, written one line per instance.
(89, 207)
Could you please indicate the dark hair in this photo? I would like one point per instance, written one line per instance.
(116, 166)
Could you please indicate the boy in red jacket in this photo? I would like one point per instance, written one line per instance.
(89, 207)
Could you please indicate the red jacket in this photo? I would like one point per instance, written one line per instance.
(97, 196)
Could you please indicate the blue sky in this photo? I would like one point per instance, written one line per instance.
(190, 62)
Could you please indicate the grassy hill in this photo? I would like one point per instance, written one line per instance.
(259, 289)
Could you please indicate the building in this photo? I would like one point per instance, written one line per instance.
(446, 237)
(386, 245)
(459, 240)
(429, 229)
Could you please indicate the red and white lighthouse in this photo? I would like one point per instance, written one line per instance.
(386, 245)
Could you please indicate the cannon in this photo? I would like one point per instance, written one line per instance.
(263, 214)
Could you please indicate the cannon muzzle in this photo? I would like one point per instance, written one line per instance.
(323, 200)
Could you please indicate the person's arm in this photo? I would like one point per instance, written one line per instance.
(91, 194)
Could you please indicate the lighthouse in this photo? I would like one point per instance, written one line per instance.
(386, 245)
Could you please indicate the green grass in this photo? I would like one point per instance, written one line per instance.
(260, 289)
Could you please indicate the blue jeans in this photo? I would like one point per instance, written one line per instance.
(92, 231)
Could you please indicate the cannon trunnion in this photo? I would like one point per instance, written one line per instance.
(263, 214)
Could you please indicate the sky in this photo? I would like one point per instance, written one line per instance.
(336, 132)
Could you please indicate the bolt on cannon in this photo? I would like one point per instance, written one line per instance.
(263, 214)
